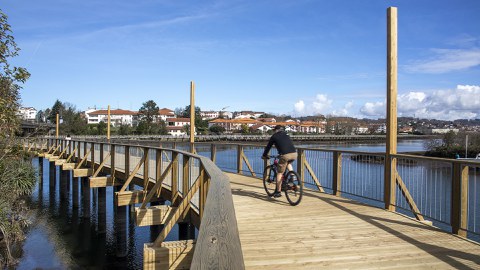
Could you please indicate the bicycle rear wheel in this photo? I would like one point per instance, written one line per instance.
(294, 188)
(269, 180)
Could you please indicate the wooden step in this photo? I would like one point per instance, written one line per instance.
(103, 181)
(41, 155)
(59, 162)
(46, 155)
(153, 215)
(129, 197)
(53, 158)
(68, 166)
(170, 255)
(82, 172)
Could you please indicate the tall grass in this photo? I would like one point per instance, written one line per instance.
(17, 179)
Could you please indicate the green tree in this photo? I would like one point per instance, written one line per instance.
(101, 128)
(57, 108)
(449, 139)
(10, 79)
(201, 126)
(16, 173)
(124, 130)
(73, 123)
(148, 114)
(39, 118)
(217, 129)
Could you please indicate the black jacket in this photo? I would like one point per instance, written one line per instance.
(282, 142)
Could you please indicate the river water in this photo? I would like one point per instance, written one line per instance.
(71, 233)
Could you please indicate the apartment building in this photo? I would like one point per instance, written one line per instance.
(117, 117)
(27, 113)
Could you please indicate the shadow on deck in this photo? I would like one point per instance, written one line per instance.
(330, 232)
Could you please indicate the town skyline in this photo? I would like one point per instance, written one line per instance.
(296, 57)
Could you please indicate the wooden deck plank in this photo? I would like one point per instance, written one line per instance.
(328, 232)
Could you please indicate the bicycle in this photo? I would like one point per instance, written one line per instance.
(291, 184)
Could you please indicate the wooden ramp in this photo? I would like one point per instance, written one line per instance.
(327, 232)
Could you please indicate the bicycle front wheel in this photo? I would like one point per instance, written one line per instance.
(293, 188)
(269, 180)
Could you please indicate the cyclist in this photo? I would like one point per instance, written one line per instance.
(287, 153)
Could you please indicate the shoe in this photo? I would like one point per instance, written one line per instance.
(277, 194)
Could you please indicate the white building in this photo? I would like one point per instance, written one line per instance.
(207, 115)
(27, 113)
(175, 126)
(117, 117)
(247, 114)
(165, 114)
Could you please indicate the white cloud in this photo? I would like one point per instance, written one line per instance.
(345, 111)
(461, 102)
(446, 60)
(373, 109)
(321, 103)
(411, 102)
(300, 106)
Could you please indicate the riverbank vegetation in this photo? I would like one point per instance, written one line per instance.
(17, 176)
(454, 145)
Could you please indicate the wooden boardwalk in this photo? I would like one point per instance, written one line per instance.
(328, 232)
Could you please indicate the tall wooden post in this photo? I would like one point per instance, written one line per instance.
(58, 122)
(192, 115)
(108, 124)
(391, 145)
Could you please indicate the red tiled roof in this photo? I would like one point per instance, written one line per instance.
(165, 111)
(179, 120)
(175, 128)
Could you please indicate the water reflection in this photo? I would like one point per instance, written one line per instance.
(76, 227)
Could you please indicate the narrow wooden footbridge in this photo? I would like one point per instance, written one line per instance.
(353, 215)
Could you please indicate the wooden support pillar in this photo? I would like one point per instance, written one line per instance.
(101, 153)
(64, 185)
(156, 229)
(40, 169)
(213, 152)
(146, 164)
(203, 191)
(158, 164)
(108, 124)
(391, 145)
(192, 112)
(75, 193)
(53, 174)
(174, 173)
(186, 174)
(459, 215)
(127, 160)
(57, 124)
(186, 231)
(102, 210)
(85, 198)
(120, 229)
(239, 159)
(300, 164)
(337, 173)
(92, 153)
(112, 161)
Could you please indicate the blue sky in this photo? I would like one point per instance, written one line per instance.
(296, 57)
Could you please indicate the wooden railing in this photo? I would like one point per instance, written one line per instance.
(438, 189)
(198, 190)
(441, 190)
